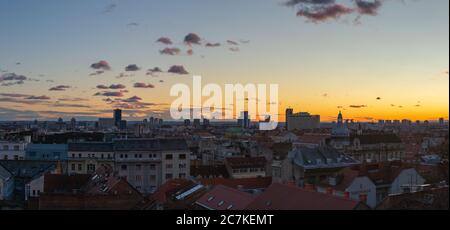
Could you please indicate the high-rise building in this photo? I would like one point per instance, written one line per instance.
(289, 112)
(302, 121)
(117, 117)
(441, 121)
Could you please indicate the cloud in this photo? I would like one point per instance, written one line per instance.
(60, 88)
(192, 38)
(132, 68)
(154, 70)
(235, 49)
(133, 24)
(132, 99)
(110, 94)
(379, 98)
(101, 65)
(72, 99)
(233, 43)
(170, 51)
(358, 106)
(143, 85)
(324, 13)
(38, 98)
(296, 2)
(10, 79)
(165, 41)
(213, 44)
(368, 7)
(110, 8)
(65, 105)
(178, 69)
(16, 95)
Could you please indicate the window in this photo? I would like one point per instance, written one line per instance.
(169, 166)
(138, 178)
(121, 155)
(5, 157)
(182, 156)
(5, 147)
(80, 167)
(79, 155)
(152, 167)
(91, 167)
(16, 157)
(103, 156)
(169, 176)
(152, 178)
(169, 157)
(73, 155)
(16, 148)
(182, 175)
(182, 166)
(124, 167)
(73, 167)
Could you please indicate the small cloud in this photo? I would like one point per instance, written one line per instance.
(325, 95)
(324, 13)
(192, 39)
(132, 68)
(213, 45)
(16, 95)
(235, 49)
(132, 99)
(233, 43)
(101, 65)
(38, 98)
(165, 41)
(358, 106)
(143, 85)
(60, 88)
(170, 51)
(133, 24)
(378, 98)
(368, 7)
(109, 8)
(110, 94)
(178, 69)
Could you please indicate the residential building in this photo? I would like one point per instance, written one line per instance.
(246, 167)
(302, 121)
(85, 158)
(46, 152)
(311, 165)
(148, 163)
(13, 150)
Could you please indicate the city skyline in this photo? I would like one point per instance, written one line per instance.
(84, 59)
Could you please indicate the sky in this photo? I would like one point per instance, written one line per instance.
(370, 59)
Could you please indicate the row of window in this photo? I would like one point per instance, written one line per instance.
(153, 156)
(252, 170)
(93, 155)
(15, 157)
(14, 148)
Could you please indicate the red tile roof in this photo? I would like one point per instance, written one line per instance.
(225, 198)
(246, 183)
(289, 197)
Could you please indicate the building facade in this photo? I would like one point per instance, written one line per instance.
(148, 163)
(85, 158)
